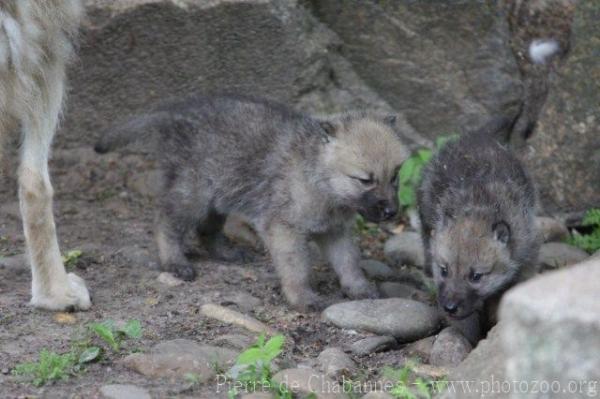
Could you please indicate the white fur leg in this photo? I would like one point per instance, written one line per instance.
(52, 287)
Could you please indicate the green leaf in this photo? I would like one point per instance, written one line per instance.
(423, 388)
(273, 347)
(441, 141)
(425, 155)
(133, 329)
(249, 356)
(416, 177)
(105, 332)
(406, 196)
(406, 170)
(89, 354)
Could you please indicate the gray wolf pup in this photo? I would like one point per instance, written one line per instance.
(477, 207)
(35, 45)
(295, 178)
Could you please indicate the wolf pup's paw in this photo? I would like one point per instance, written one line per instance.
(184, 271)
(303, 300)
(69, 295)
(362, 290)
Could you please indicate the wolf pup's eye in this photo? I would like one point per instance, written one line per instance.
(443, 270)
(365, 181)
(475, 277)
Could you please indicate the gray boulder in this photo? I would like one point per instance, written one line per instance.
(553, 329)
(135, 53)
(447, 65)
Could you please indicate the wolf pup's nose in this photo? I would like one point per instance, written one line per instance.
(451, 307)
(389, 212)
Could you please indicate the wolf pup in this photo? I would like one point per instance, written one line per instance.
(292, 176)
(476, 205)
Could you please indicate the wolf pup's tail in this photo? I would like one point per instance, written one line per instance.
(139, 128)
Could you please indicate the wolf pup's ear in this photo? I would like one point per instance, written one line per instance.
(328, 130)
(501, 232)
(390, 120)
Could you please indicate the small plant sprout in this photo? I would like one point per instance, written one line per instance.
(409, 386)
(52, 366)
(253, 367)
(114, 336)
(71, 257)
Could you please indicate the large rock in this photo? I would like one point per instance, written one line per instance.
(404, 319)
(564, 155)
(136, 52)
(447, 65)
(553, 330)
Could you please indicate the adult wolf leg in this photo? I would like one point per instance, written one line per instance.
(52, 287)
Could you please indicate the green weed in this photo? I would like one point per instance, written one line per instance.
(409, 175)
(114, 336)
(71, 257)
(253, 367)
(589, 242)
(52, 366)
(409, 386)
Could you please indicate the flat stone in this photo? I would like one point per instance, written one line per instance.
(375, 269)
(306, 381)
(335, 362)
(124, 391)
(450, 348)
(242, 300)
(377, 343)
(405, 248)
(559, 254)
(404, 319)
(231, 316)
(176, 358)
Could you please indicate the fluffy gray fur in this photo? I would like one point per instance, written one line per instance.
(477, 206)
(295, 178)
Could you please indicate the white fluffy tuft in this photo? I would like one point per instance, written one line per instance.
(542, 49)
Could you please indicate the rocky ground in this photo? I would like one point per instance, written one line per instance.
(443, 68)
(104, 208)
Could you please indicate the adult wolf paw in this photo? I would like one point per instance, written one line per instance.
(70, 295)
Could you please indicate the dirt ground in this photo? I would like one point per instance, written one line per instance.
(102, 207)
